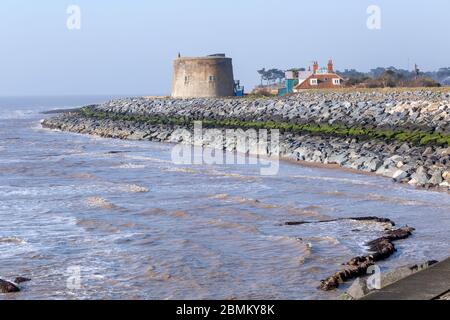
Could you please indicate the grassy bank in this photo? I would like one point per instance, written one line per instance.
(416, 137)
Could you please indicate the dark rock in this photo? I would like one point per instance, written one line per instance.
(369, 219)
(20, 280)
(8, 287)
(380, 249)
(296, 223)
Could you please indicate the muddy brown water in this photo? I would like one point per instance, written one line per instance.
(139, 227)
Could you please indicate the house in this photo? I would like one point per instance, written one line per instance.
(324, 78)
(292, 79)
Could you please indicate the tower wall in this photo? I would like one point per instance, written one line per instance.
(210, 76)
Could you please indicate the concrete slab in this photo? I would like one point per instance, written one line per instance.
(425, 285)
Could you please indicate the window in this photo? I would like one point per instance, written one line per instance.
(336, 81)
(212, 78)
(186, 79)
(313, 82)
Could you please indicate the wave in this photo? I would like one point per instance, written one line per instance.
(327, 239)
(182, 170)
(16, 114)
(94, 224)
(99, 202)
(241, 200)
(309, 211)
(152, 274)
(232, 225)
(82, 175)
(333, 179)
(150, 159)
(133, 188)
(151, 212)
(232, 175)
(12, 240)
(130, 166)
(305, 248)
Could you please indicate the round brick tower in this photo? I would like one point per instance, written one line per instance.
(210, 76)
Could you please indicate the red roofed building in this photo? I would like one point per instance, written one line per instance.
(324, 78)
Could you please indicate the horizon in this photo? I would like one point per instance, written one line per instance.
(130, 48)
(131, 94)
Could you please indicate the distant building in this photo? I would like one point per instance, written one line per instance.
(324, 78)
(291, 80)
(210, 76)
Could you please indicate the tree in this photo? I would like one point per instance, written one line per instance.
(262, 74)
(279, 74)
(391, 79)
(271, 75)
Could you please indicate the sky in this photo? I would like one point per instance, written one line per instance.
(127, 47)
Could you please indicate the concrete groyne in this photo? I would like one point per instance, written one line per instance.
(403, 135)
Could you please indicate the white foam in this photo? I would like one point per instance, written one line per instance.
(333, 179)
(16, 114)
(130, 166)
(146, 158)
(12, 240)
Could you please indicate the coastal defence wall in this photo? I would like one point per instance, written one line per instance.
(404, 136)
(210, 76)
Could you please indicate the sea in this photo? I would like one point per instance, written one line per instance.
(86, 217)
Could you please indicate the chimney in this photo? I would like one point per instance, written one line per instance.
(315, 67)
(330, 66)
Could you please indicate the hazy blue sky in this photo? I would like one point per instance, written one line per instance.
(127, 47)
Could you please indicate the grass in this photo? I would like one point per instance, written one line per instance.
(418, 137)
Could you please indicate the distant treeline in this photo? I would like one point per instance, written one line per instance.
(271, 76)
(393, 77)
(376, 78)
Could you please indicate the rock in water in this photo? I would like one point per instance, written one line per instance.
(20, 280)
(380, 249)
(8, 287)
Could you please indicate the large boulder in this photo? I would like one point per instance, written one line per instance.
(399, 175)
(446, 175)
(339, 159)
(436, 178)
(8, 287)
(420, 177)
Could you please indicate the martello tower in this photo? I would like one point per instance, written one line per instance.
(210, 76)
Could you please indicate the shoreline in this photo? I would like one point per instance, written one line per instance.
(285, 159)
(59, 111)
(332, 167)
(165, 136)
(306, 164)
(404, 136)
